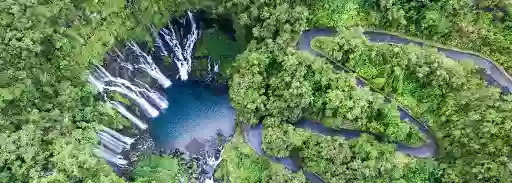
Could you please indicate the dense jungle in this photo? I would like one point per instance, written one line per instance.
(347, 90)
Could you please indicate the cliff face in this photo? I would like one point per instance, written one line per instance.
(156, 86)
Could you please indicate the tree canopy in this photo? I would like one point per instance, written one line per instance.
(49, 114)
(471, 120)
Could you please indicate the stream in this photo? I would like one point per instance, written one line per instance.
(495, 75)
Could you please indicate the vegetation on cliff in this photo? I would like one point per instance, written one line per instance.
(49, 113)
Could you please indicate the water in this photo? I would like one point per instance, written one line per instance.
(188, 118)
(196, 110)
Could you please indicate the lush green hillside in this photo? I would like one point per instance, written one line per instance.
(471, 120)
(483, 26)
(275, 85)
(49, 113)
(241, 164)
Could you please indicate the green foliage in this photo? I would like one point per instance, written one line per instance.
(357, 160)
(346, 11)
(249, 78)
(241, 164)
(219, 47)
(268, 19)
(280, 139)
(471, 120)
(159, 169)
(299, 86)
(465, 24)
(48, 112)
(47, 108)
(49, 115)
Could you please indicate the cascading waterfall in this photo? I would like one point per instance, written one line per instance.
(159, 45)
(146, 63)
(211, 157)
(127, 114)
(110, 156)
(146, 99)
(211, 76)
(126, 140)
(112, 144)
(105, 82)
(175, 41)
(181, 51)
(148, 67)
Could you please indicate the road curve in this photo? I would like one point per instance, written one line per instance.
(429, 149)
(495, 75)
(254, 137)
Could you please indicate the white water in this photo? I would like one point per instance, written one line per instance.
(182, 52)
(110, 143)
(109, 156)
(105, 82)
(152, 95)
(126, 140)
(158, 42)
(215, 69)
(106, 136)
(146, 63)
(212, 163)
(216, 66)
(190, 40)
(127, 114)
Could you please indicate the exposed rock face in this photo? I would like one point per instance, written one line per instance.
(133, 80)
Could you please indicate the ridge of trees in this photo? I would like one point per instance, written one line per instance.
(48, 111)
(162, 169)
(357, 160)
(483, 26)
(49, 115)
(241, 164)
(471, 119)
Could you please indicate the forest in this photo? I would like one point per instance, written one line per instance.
(50, 113)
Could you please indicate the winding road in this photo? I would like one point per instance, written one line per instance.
(495, 75)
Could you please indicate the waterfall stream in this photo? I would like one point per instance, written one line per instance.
(125, 74)
(181, 51)
(127, 114)
(112, 144)
(105, 82)
(109, 156)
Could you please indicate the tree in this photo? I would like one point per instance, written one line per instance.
(154, 168)
(467, 116)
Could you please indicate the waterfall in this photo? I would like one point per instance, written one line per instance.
(216, 66)
(109, 156)
(146, 63)
(174, 41)
(149, 67)
(126, 140)
(210, 165)
(111, 143)
(211, 74)
(214, 162)
(127, 114)
(159, 45)
(154, 97)
(181, 51)
(106, 82)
